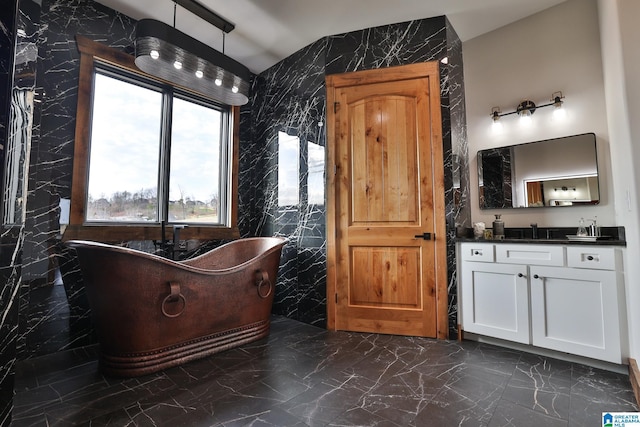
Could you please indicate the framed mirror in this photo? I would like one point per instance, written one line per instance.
(555, 172)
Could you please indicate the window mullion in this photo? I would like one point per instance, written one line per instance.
(165, 155)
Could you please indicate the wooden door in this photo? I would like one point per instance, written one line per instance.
(386, 239)
(535, 193)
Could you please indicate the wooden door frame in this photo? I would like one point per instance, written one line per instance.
(382, 75)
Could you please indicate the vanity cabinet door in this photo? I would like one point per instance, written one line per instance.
(495, 300)
(576, 311)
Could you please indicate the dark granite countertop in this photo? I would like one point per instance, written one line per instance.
(565, 241)
(610, 236)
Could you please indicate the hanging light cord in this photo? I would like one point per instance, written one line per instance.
(175, 6)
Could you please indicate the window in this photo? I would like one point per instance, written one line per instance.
(140, 133)
(148, 152)
(288, 170)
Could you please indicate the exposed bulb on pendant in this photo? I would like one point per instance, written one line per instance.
(199, 74)
(154, 54)
(218, 82)
(177, 65)
(234, 89)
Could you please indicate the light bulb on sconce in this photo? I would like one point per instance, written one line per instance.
(559, 111)
(525, 110)
(495, 114)
(496, 126)
(525, 120)
(556, 98)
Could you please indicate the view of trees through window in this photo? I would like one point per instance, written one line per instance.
(137, 173)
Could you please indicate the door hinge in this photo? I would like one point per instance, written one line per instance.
(335, 106)
(335, 169)
(336, 297)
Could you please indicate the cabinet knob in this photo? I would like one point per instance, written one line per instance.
(520, 275)
(476, 253)
(535, 276)
(590, 257)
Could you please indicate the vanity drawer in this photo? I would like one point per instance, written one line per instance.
(591, 257)
(482, 252)
(552, 255)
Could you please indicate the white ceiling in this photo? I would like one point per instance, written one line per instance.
(269, 30)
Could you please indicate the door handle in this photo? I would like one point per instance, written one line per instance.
(425, 236)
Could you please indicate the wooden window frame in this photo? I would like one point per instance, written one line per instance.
(78, 228)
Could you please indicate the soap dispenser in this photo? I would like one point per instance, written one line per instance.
(498, 228)
(582, 231)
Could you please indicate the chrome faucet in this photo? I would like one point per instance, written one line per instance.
(594, 230)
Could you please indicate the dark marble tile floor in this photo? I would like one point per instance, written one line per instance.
(306, 376)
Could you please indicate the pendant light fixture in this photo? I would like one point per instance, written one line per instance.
(169, 54)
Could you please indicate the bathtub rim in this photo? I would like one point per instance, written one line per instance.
(277, 242)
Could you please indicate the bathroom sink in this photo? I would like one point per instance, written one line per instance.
(529, 239)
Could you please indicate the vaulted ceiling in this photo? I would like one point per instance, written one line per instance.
(269, 30)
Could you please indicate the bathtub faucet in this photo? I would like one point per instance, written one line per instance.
(163, 247)
(170, 248)
(177, 248)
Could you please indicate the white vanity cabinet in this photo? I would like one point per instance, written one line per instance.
(560, 297)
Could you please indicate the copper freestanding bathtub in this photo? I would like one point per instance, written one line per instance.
(152, 313)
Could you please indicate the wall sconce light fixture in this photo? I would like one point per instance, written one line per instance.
(527, 107)
(565, 188)
(165, 52)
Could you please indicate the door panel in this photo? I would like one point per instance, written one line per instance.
(384, 160)
(386, 141)
(385, 277)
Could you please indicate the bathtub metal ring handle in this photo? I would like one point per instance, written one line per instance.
(174, 296)
(262, 277)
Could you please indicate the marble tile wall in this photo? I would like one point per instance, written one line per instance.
(290, 97)
(458, 208)
(45, 311)
(495, 171)
(7, 40)
(10, 237)
(10, 280)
